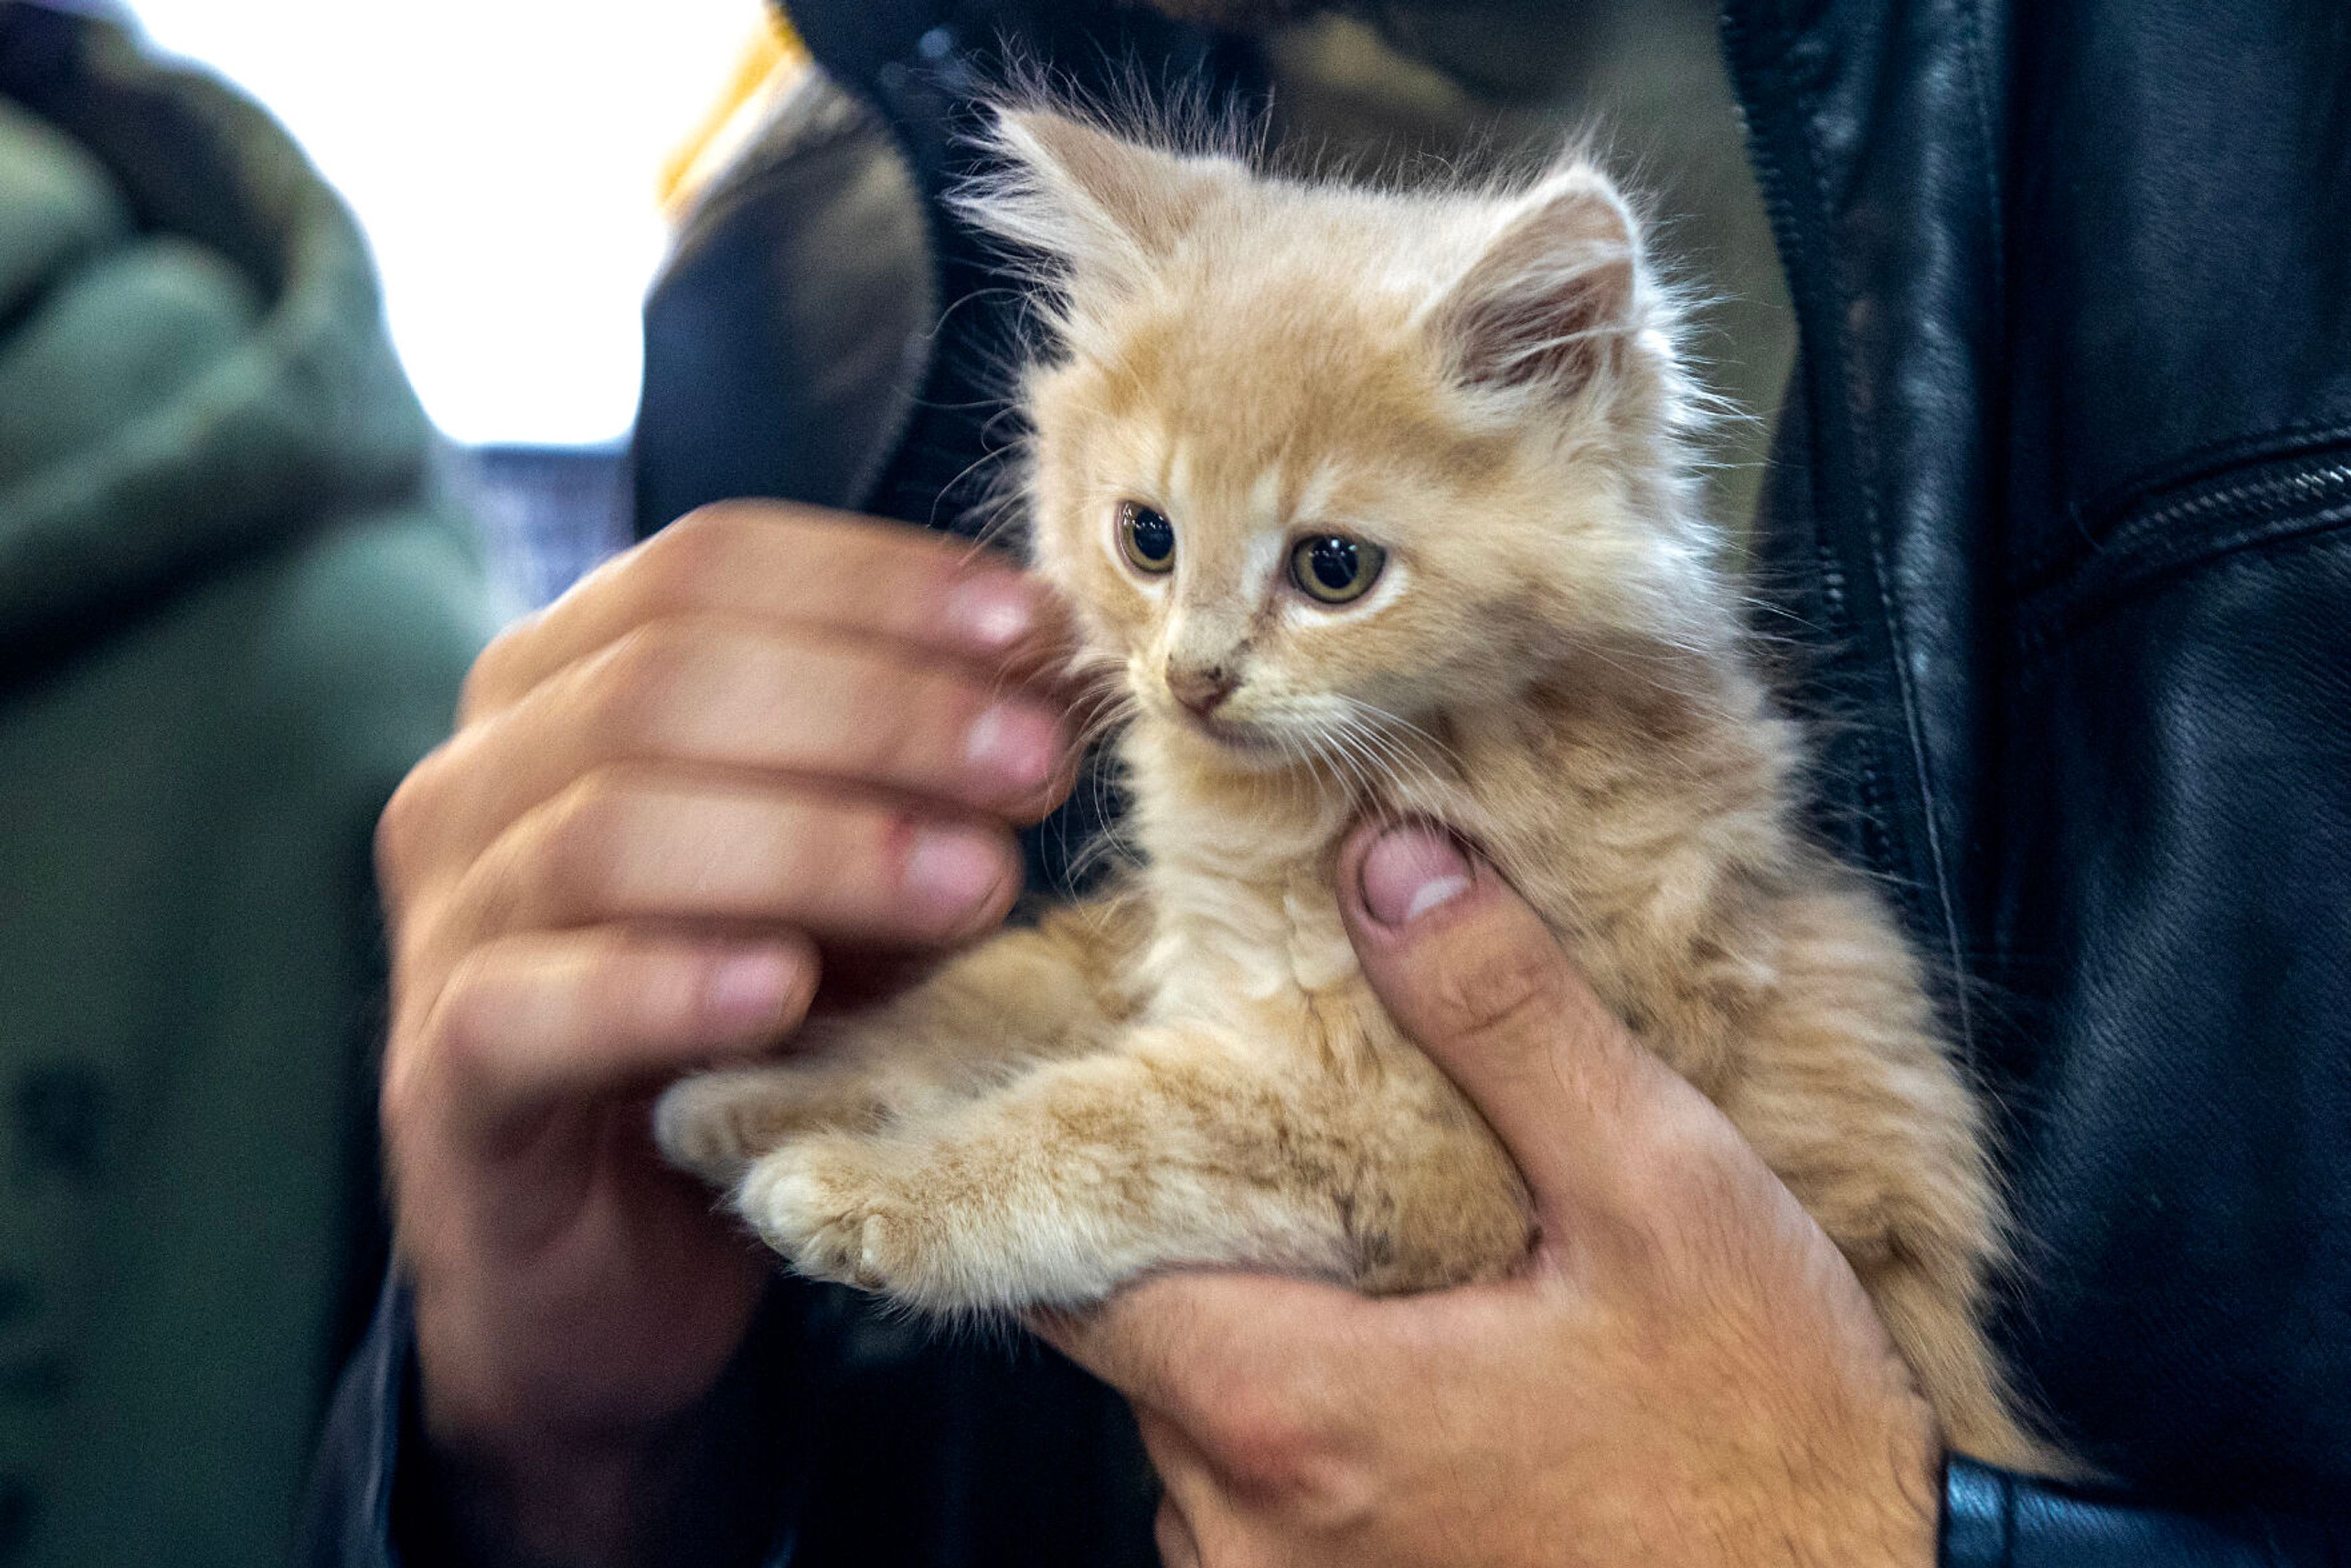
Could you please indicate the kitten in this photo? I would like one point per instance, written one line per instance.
(1375, 503)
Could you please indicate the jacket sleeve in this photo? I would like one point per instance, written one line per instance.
(376, 1498)
(347, 1517)
(1992, 1519)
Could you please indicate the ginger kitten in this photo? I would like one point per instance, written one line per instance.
(1374, 503)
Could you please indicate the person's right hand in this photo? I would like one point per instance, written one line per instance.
(765, 740)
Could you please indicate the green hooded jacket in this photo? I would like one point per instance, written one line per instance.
(232, 615)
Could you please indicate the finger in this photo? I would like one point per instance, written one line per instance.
(652, 847)
(546, 1016)
(1173, 1535)
(1473, 975)
(1233, 1360)
(1197, 1505)
(787, 565)
(732, 694)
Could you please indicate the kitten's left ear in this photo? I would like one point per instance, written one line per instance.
(1106, 206)
(1555, 295)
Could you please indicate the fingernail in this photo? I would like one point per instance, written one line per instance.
(992, 612)
(1015, 744)
(951, 871)
(1410, 871)
(748, 989)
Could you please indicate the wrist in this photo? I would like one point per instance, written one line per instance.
(547, 1502)
(1883, 1508)
(543, 1482)
(509, 1473)
(1909, 1507)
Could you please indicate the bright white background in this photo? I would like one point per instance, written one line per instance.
(504, 155)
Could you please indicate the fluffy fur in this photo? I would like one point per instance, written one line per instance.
(1193, 1071)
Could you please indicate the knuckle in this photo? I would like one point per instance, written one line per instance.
(454, 1041)
(852, 704)
(952, 704)
(399, 1096)
(902, 723)
(638, 682)
(1264, 1450)
(401, 1103)
(1686, 1156)
(681, 564)
(470, 1021)
(710, 517)
(580, 845)
(1174, 1537)
(1270, 1444)
(823, 849)
(488, 675)
(1501, 994)
(694, 531)
(399, 830)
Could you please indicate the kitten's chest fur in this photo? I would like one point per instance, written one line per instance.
(1273, 940)
(1246, 932)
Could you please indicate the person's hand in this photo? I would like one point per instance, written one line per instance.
(1685, 1372)
(769, 742)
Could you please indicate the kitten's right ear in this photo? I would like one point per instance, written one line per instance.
(1105, 207)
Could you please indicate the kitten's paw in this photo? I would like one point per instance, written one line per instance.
(825, 1204)
(716, 1124)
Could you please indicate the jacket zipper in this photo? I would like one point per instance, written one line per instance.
(2281, 499)
(2313, 486)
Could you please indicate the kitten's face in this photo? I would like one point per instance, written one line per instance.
(1315, 465)
(1278, 542)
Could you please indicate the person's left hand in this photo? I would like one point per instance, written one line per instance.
(1685, 1372)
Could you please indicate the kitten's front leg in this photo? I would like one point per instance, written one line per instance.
(1080, 1176)
(1023, 995)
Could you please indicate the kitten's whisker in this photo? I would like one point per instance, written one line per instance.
(1381, 759)
(1297, 749)
(1301, 749)
(1362, 766)
(992, 455)
(1367, 766)
(1402, 771)
(1101, 707)
(1313, 749)
(1331, 742)
(1397, 722)
(1373, 731)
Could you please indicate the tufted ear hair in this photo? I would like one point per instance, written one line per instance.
(1553, 297)
(1099, 207)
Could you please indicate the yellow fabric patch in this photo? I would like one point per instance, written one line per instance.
(773, 59)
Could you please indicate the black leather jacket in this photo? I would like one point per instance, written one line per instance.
(2059, 524)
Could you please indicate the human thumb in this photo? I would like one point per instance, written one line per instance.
(1471, 972)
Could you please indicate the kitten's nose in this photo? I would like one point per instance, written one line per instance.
(1200, 688)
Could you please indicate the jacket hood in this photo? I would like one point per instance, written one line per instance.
(192, 343)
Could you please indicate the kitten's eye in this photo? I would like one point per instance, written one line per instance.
(1335, 569)
(1147, 538)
